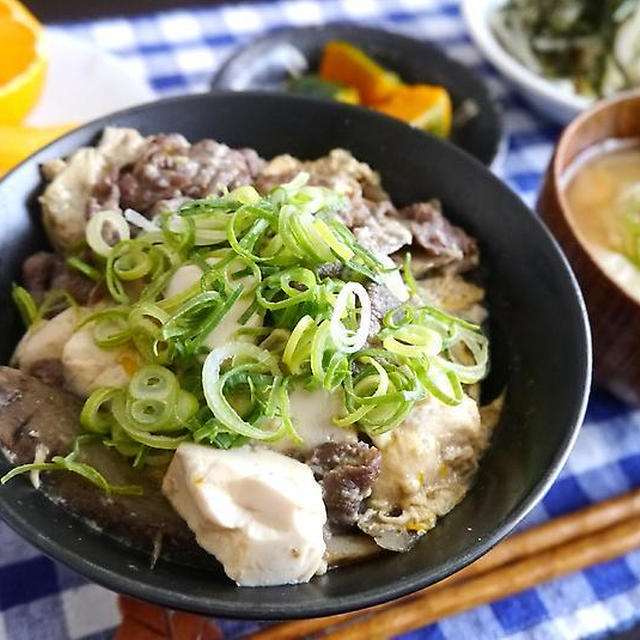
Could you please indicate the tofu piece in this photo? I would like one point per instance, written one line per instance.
(184, 277)
(428, 464)
(260, 513)
(88, 366)
(312, 414)
(64, 201)
(45, 340)
(434, 442)
(187, 275)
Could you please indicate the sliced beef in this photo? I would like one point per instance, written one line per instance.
(171, 167)
(329, 270)
(265, 181)
(43, 272)
(442, 245)
(382, 301)
(105, 193)
(48, 370)
(379, 232)
(38, 271)
(347, 472)
(32, 414)
(339, 171)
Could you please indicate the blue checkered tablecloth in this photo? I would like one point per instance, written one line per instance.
(178, 52)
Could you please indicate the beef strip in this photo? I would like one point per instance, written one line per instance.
(382, 301)
(346, 472)
(443, 246)
(43, 272)
(329, 270)
(48, 370)
(380, 233)
(367, 202)
(171, 167)
(33, 413)
(264, 182)
(105, 194)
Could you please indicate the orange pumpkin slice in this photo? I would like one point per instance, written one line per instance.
(423, 106)
(345, 64)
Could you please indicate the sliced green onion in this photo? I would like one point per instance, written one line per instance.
(68, 463)
(96, 413)
(262, 254)
(131, 428)
(111, 327)
(153, 382)
(55, 302)
(349, 340)
(213, 383)
(276, 291)
(413, 341)
(25, 303)
(407, 275)
(443, 385)
(84, 268)
(245, 194)
(341, 250)
(110, 221)
(291, 347)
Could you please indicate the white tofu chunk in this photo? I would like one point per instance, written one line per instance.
(186, 276)
(312, 414)
(45, 340)
(258, 512)
(428, 464)
(88, 366)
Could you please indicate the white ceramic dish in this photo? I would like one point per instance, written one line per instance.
(552, 98)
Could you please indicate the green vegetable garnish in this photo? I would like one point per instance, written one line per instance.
(592, 43)
(69, 463)
(629, 214)
(259, 260)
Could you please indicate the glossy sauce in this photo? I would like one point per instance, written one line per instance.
(596, 186)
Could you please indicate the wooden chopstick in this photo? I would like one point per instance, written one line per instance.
(433, 605)
(529, 544)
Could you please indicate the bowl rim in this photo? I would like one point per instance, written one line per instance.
(476, 14)
(165, 595)
(498, 144)
(557, 175)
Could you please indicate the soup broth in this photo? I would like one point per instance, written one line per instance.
(602, 187)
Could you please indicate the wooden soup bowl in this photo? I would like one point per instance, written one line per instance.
(614, 315)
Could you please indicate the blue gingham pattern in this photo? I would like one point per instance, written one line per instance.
(178, 52)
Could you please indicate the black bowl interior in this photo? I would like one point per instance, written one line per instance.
(538, 329)
(263, 65)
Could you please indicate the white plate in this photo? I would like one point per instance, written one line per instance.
(84, 82)
(555, 99)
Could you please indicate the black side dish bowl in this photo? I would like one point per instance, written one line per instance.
(538, 330)
(264, 65)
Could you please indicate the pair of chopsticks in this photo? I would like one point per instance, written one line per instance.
(561, 546)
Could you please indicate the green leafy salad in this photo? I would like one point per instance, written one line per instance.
(593, 43)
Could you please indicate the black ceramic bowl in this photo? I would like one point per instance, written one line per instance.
(263, 65)
(538, 328)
